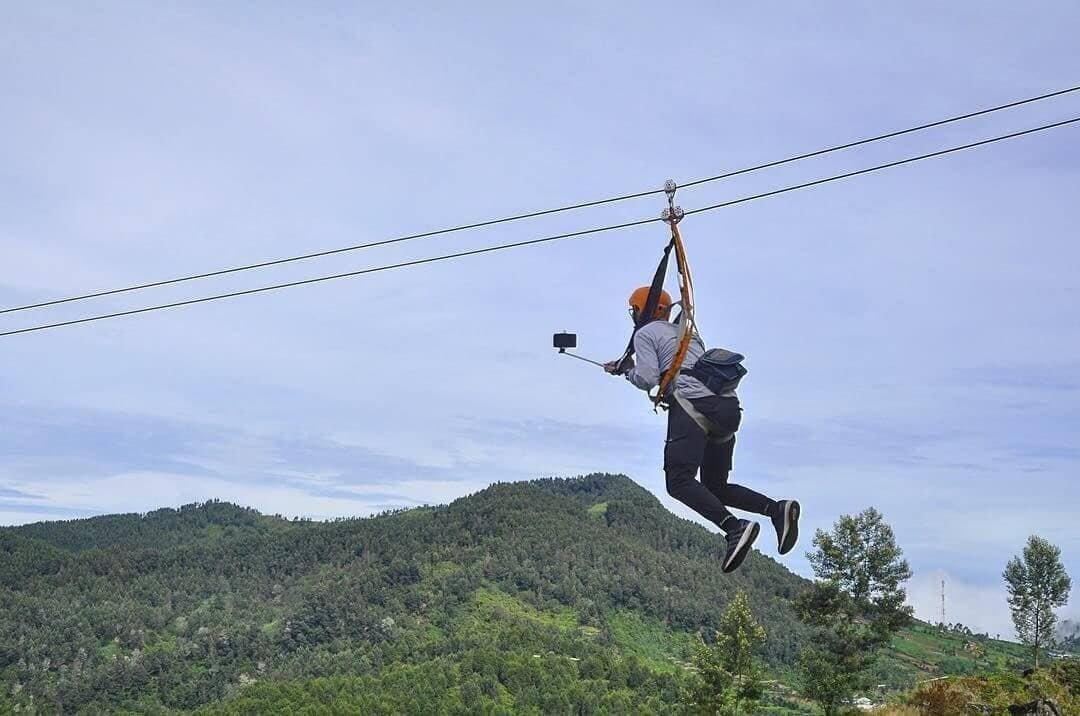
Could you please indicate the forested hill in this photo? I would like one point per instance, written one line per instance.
(160, 529)
(577, 591)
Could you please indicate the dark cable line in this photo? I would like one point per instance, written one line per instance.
(330, 252)
(888, 165)
(376, 269)
(880, 137)
(535, 214)
(518, 244)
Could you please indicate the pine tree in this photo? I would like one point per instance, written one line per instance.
(1037, 584)
(730, 671)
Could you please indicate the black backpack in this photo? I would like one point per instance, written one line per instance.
(718, 369)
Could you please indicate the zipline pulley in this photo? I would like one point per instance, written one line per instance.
(676, 212)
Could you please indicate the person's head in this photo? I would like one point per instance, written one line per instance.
(641, 295)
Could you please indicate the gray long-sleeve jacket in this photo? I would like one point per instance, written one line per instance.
(655, 346)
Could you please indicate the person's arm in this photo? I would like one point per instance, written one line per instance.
(646, 373)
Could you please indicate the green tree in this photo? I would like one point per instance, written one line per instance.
(1037, 584)
(856, 606)
(729, 672)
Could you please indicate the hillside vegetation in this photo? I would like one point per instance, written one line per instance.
(550, 596)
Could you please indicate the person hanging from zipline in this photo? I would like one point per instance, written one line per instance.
(697, 387)
(703, 416)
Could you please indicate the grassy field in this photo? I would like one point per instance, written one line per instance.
(924, 651)
(917, 654)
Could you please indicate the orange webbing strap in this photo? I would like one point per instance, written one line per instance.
(687, 327)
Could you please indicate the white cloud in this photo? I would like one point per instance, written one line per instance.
(980, 607)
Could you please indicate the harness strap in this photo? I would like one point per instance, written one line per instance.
(687, 326)
(651, 303)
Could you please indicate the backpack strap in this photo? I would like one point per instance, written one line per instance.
(703, 422)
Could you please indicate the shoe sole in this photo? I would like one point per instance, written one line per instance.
(743, 548)
(791, 527)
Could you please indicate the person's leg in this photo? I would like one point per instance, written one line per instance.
(726, 416)
(739, 534)
(683, 455)
(716, 466)
(714, 475)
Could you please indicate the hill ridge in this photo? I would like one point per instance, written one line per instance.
(182, 609)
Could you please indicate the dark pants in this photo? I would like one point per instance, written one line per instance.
(689, 448)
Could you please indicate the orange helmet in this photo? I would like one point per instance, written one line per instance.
(641, 295)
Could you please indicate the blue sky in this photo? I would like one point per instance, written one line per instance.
(912, 336)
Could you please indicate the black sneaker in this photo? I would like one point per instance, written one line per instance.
(739, 541)
(785, 519)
